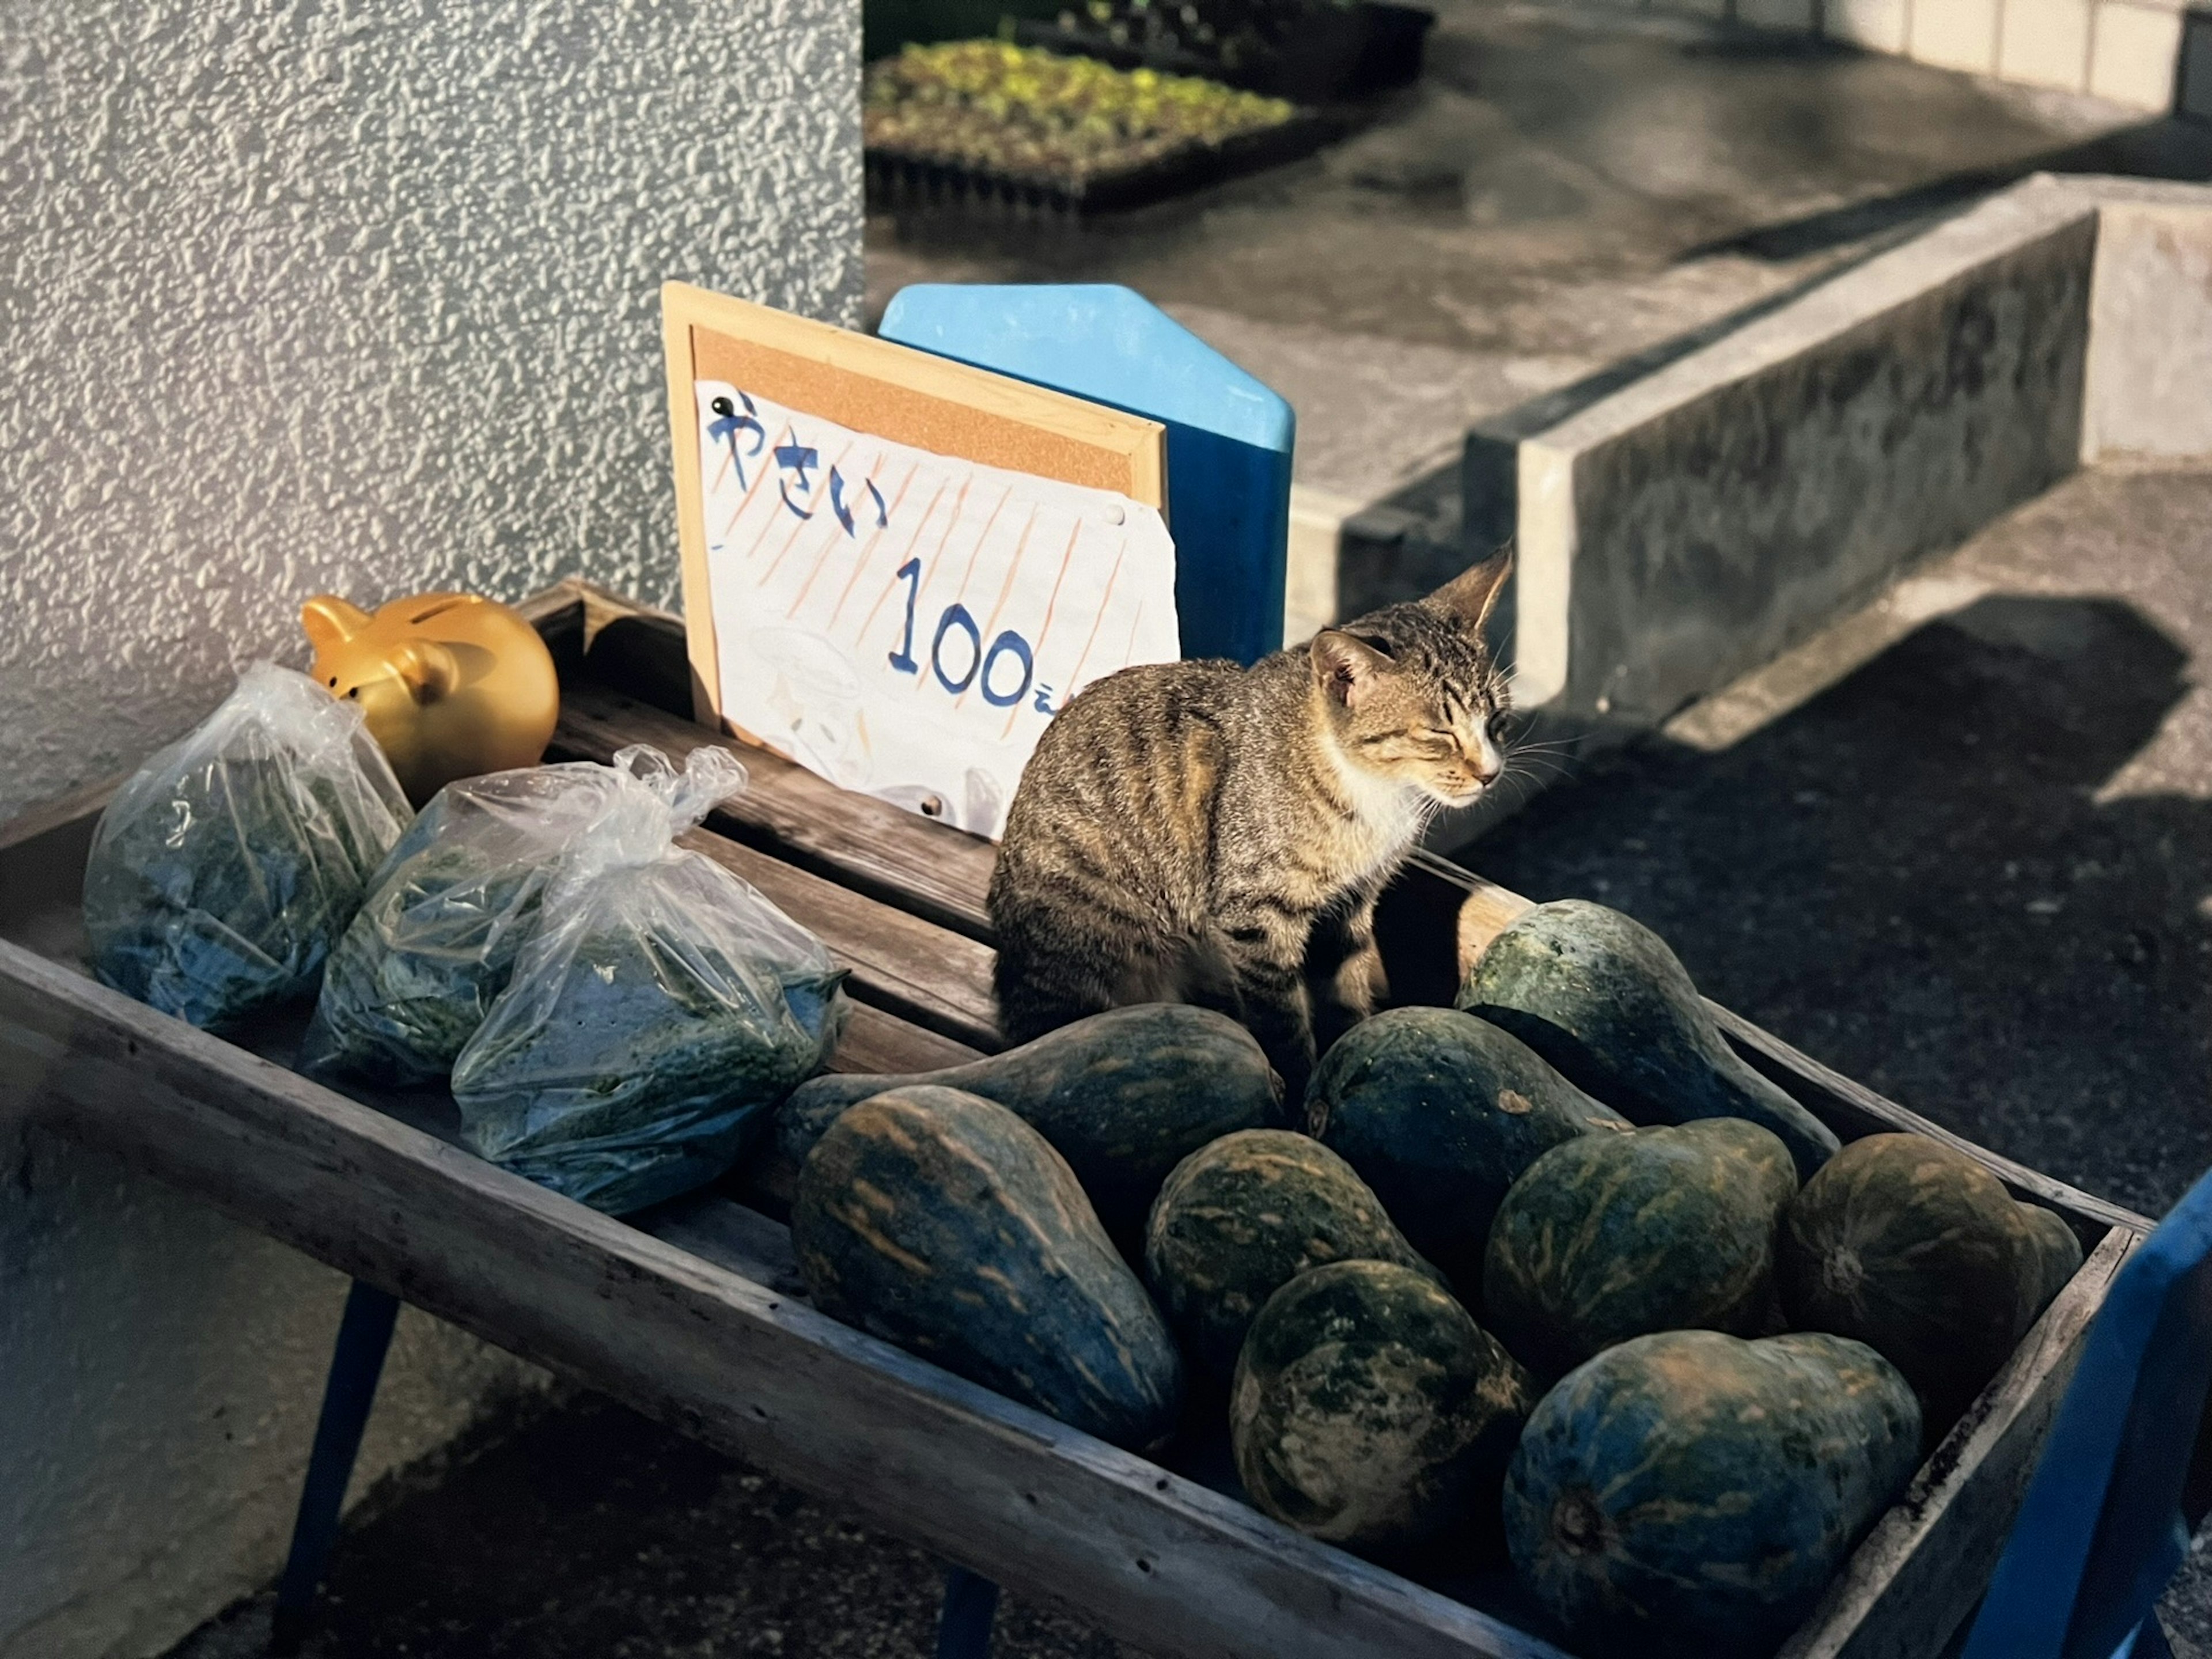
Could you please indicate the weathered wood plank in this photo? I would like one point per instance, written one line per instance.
(1852, 1110)
(42, 858)
(876, 1041)
(1150, 1557)
(1920, 1571)
(936, 979)
(891, 854)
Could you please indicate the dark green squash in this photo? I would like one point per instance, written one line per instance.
(941, 1222)
(1440, 1113)
(1611, 1236)
(2059, 1256)
(1599, 996)
(1123, 1096)
(1370, 1410)
(1237, 1220)
(1916, 1250)
(1692, 1493)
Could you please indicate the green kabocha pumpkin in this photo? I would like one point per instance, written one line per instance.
(941, 1222)
(1919, 1252)
(1239, 1219)
(1123, 1097)
(2058, 1255)
(1440, 1113)
(1370, 1410)
(1610, 1236)
(1692, 1493)
(1601, 997)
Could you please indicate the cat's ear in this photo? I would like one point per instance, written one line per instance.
(1472, 595)
(1346, 666)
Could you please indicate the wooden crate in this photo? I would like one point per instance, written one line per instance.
(697, 1316)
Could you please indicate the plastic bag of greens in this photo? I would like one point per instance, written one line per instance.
(657, 1014)
(224, 870)
(436, 938)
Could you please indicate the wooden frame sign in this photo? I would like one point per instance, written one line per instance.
(897, 568)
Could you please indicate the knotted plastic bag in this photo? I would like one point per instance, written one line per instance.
(435, 941)
(657, 1015)
(225, 870)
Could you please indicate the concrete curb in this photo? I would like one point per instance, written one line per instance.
(1701, 519)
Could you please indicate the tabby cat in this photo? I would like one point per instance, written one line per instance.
(1200, 832)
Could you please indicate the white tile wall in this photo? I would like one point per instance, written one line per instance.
(1961, 34)
(2123, 50)
(1877, 24)
(2132, 53)
(2044, 43)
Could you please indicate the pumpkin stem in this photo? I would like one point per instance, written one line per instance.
(1579, 1522)
(1841, 1270)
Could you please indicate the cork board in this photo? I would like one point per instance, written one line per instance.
(890, 391)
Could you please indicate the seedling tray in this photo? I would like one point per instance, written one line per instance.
(1332, 55)
(693, 1314)
(901, 181)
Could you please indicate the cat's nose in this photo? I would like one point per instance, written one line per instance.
(1488, 761)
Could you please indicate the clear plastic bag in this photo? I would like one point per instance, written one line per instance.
(435, 941)
(225, 870)
(657, 1014)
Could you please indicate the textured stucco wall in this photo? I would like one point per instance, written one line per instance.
(295, 295)
(161, 1368)
(331, 294)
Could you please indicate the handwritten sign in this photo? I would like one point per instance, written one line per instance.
(905, 623)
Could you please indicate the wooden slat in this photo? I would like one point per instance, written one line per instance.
(1852, 1110)
(1153, 1558)
(937, 980)
(876, 1041)
(1919, 1573)
(869, 846)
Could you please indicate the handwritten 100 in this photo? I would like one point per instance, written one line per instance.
(985, 669)
(797, 462)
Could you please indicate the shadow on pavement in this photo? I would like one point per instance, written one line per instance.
(592, 1534)
(1912, 877)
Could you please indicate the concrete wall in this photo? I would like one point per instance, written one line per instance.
(2150, 393)
(1690, 526)
(297, 297)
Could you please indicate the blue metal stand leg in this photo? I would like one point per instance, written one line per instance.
(357, 1361)
(972, 1601)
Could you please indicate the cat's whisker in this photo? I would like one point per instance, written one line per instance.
(1559, 758)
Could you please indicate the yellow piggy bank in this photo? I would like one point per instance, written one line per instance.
(453, 684)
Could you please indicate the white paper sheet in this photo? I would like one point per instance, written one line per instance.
(904, 623)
